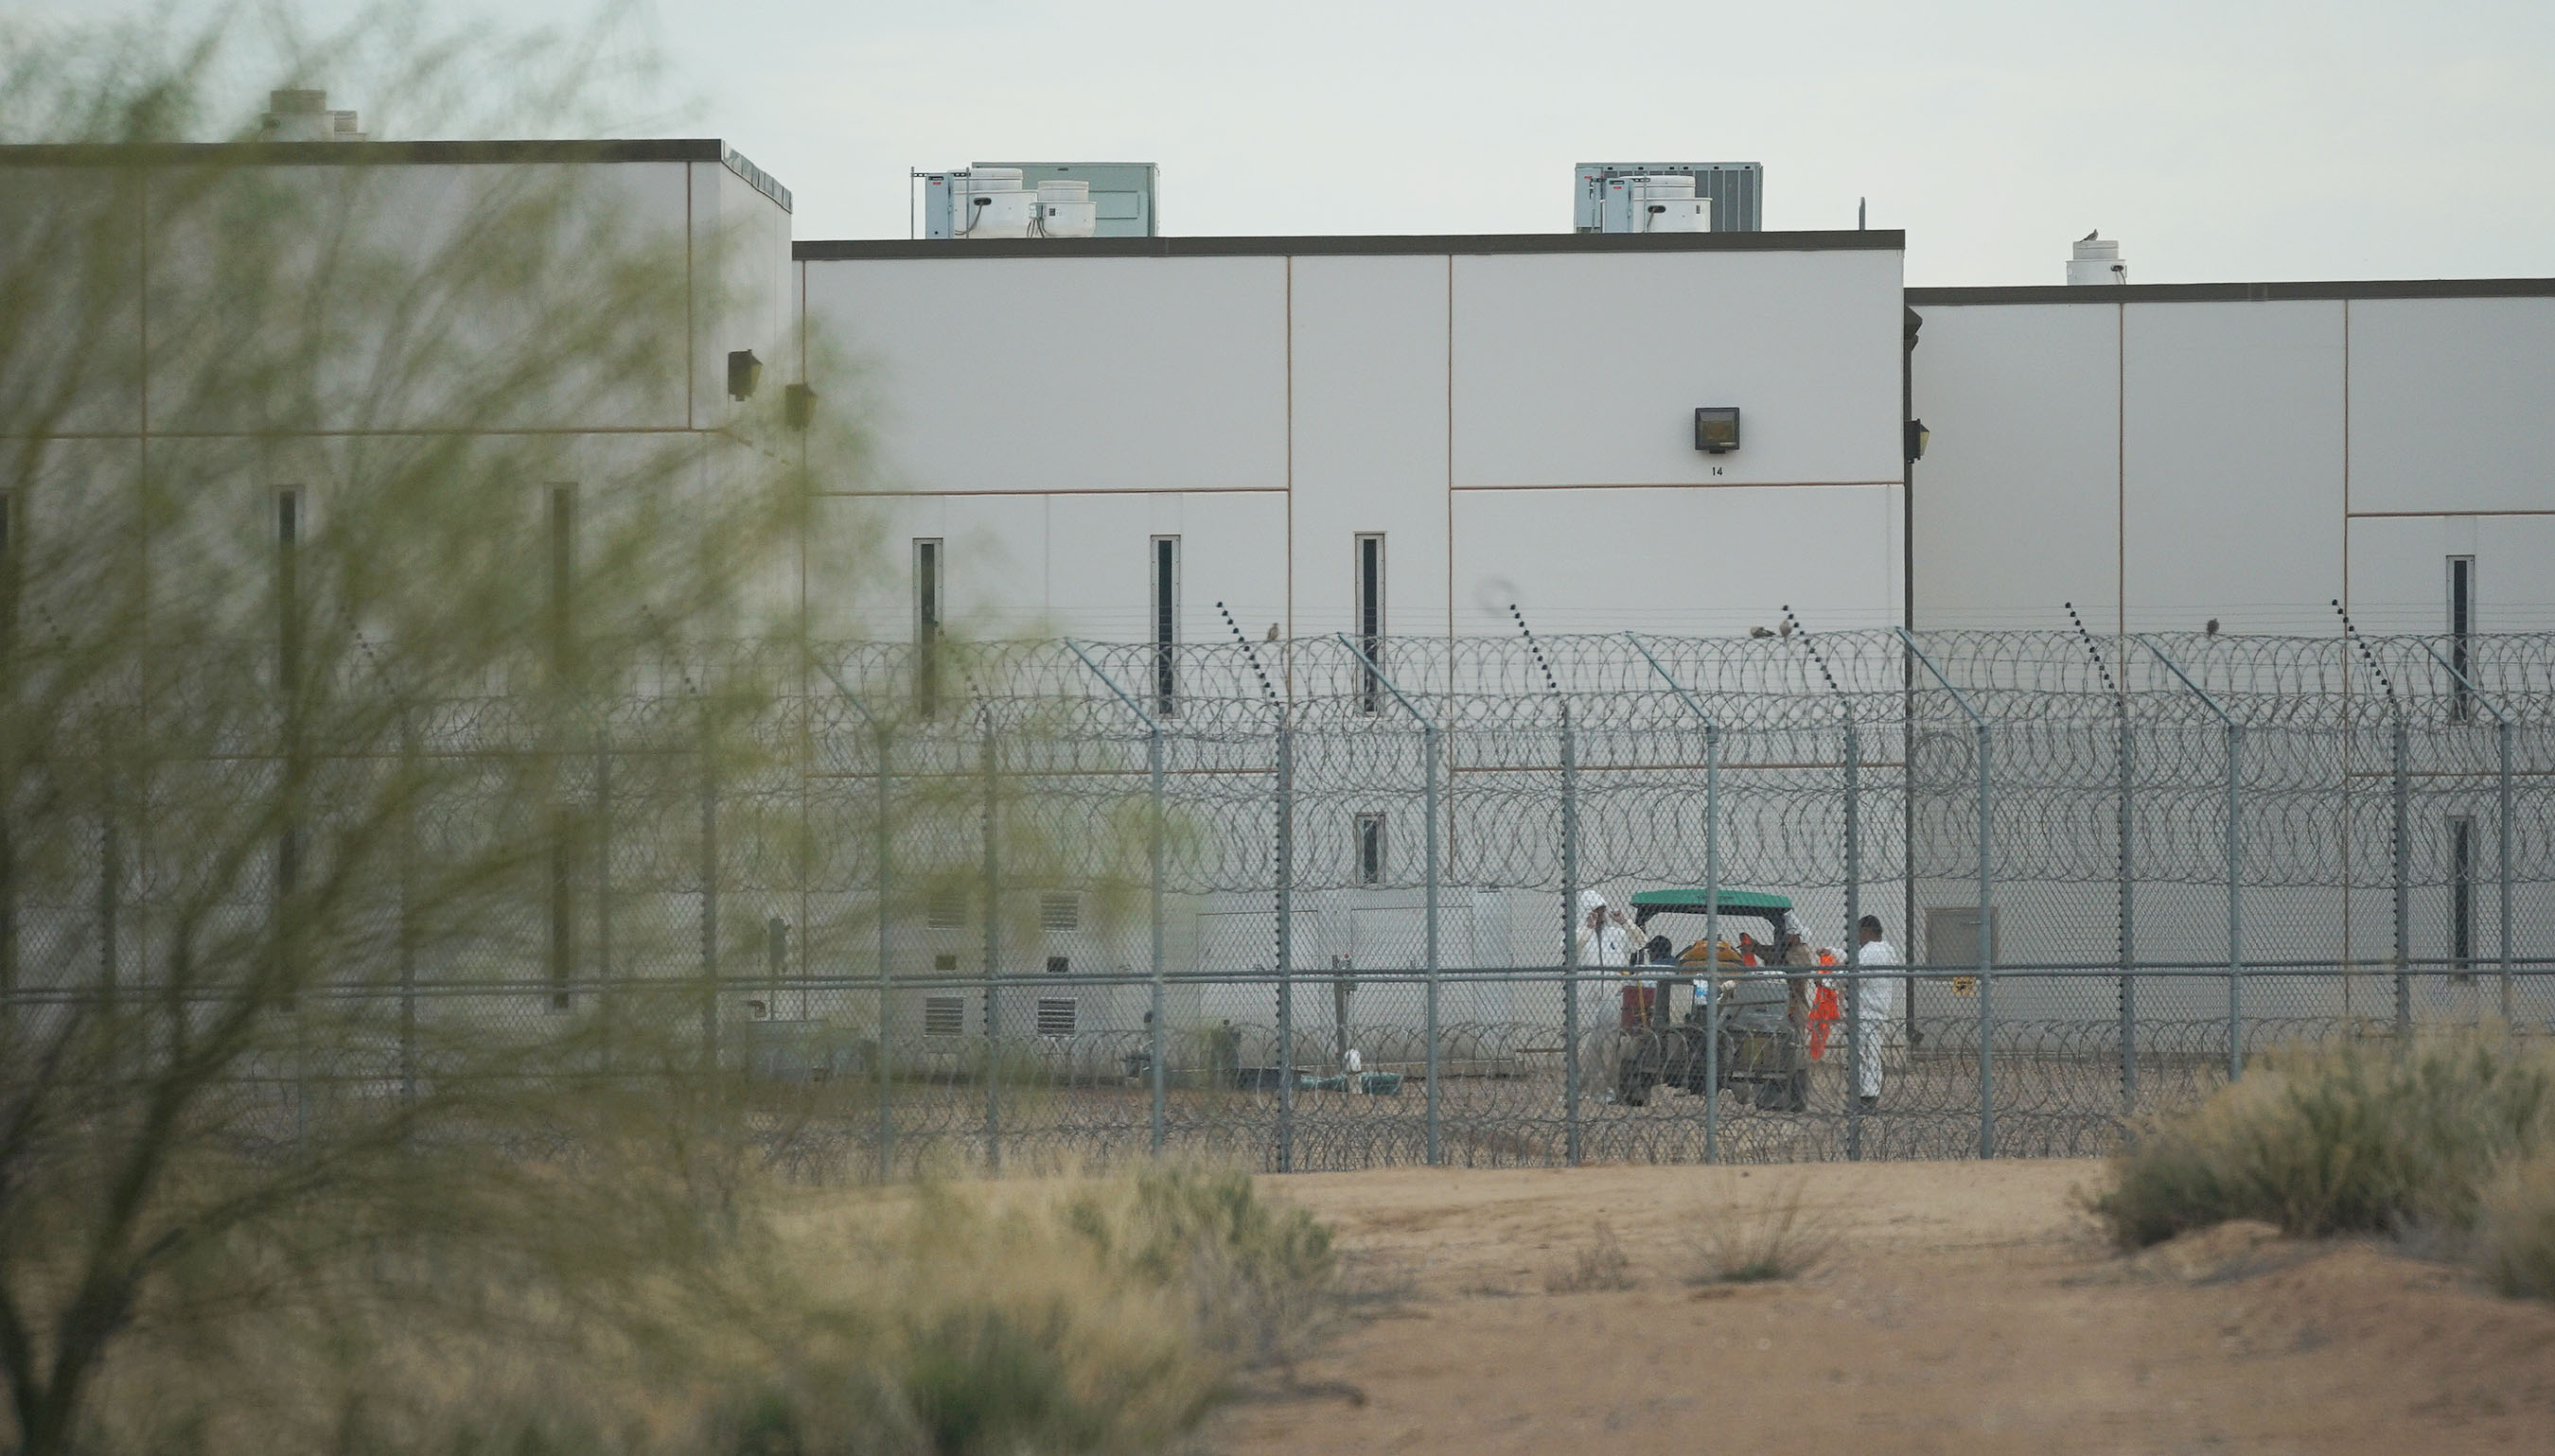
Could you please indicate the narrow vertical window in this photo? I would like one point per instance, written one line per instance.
(1370, 849)
(1370, 619)
(8, 569)
(288, 683)
(562, 623)
(2462, 585)
(8, 651)
(559, 634)
(926, 623)
(2461, 893)
(287, 590)
(1166, 623)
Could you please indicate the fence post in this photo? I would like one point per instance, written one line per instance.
(2502, 735)
(1711, 901)
(2501, 743)
(610, 1008)
(1570, 939)
(2235, 904)
(1855, 1029)
(1711, 941)
(1159, 1112)
(1987, 959)
(2403, 869)
(881, 844)
(1428, 825)
(8, 881)
(406, 949)
(2234, 732)
(1157, 1121)
(709, 896)
(1987, 906)
(2128, 932)
(1285, 898)
(776, 964)
(110, 911)
(886, 1062)
(1285, 941)
(992, 949)
(1569, 899)
(1986, 946)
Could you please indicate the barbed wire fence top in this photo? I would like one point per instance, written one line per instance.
(925, 881)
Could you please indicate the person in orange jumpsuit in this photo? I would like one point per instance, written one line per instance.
(1825, 1011)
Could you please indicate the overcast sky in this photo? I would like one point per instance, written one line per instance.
(2218, 141)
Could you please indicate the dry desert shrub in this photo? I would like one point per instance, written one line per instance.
(2343, 1140)
(1777, 1235)
(1599, 1266)
(2514, 1239)
(1094, 1315)
(1049, 1315)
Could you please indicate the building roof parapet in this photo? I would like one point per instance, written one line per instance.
(1889, 240)
(2238, 293)
(378, 153)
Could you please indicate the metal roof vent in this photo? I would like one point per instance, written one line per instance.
(2097, 261)
(303, 116)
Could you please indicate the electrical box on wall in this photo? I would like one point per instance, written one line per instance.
(1716, 428)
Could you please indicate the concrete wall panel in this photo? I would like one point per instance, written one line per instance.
(2450, 399)
(2023, 404)
(1370, 410)
(1062, 374)
(1677, 561)
(2233, 466)
(1586, 369)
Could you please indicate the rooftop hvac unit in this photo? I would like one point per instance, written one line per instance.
(1053, 199)
(1731, 191)
(990, 202)
(1649, 203)
(303, 116)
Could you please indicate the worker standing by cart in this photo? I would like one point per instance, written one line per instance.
(1873, 1001)
(1605, 935)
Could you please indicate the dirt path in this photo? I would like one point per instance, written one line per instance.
(1966, 1307)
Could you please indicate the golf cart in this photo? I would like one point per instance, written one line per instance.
(1763, 1012)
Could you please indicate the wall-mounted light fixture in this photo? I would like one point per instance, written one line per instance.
(1917, 436)
(799, 407)
(1716, 428)
(744, 372)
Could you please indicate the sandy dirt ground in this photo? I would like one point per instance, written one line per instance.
(1964, 1307)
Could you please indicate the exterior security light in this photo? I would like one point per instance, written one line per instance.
(1917, 436)
(1716, 428)
(744, 372)
(799, 407)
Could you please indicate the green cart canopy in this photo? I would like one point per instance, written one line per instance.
(1695, 902)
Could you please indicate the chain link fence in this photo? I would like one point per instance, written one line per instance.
(1324, 903)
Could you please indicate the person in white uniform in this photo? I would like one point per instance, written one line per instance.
(1605, 936)
(1876, 1001)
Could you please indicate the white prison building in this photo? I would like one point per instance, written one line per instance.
(1677, 431)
